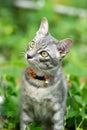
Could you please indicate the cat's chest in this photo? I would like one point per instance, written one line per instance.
(42, 108)
(41, 101)
(40, 95)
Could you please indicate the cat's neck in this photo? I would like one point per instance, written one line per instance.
(44, 74)
(41, 79)
(36, 70)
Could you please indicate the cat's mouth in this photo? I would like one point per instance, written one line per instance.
(41, 66)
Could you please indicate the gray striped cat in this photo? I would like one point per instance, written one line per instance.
(44, 85)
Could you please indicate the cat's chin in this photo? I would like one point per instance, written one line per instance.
(34, 64)
(42, 68)
(52, 71)
(37, 69)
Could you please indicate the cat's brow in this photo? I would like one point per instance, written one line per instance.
(41, 46)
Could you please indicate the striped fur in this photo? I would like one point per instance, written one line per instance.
(39, 102)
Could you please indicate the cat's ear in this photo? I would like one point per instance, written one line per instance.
(64, 46)
(43, 29)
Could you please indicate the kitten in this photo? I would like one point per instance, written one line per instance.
(44, 85)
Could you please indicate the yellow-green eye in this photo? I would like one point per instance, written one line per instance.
(44, 54)
(32, 44)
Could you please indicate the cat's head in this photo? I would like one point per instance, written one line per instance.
(44, 51)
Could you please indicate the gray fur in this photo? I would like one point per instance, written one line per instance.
(39, 102)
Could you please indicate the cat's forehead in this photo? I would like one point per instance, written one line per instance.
(44, 41)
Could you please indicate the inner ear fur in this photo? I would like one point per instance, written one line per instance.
(64, 46)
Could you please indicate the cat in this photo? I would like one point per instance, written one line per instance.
(44, 93)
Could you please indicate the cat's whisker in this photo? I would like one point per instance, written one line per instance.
(22, 54)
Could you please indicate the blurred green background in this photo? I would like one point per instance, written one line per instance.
(18, 26)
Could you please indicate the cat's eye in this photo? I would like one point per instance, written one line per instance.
(44, 54)
(32, 44)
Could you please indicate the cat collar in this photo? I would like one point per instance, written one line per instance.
(35, 76)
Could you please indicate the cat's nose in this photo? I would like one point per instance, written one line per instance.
(29, 56)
